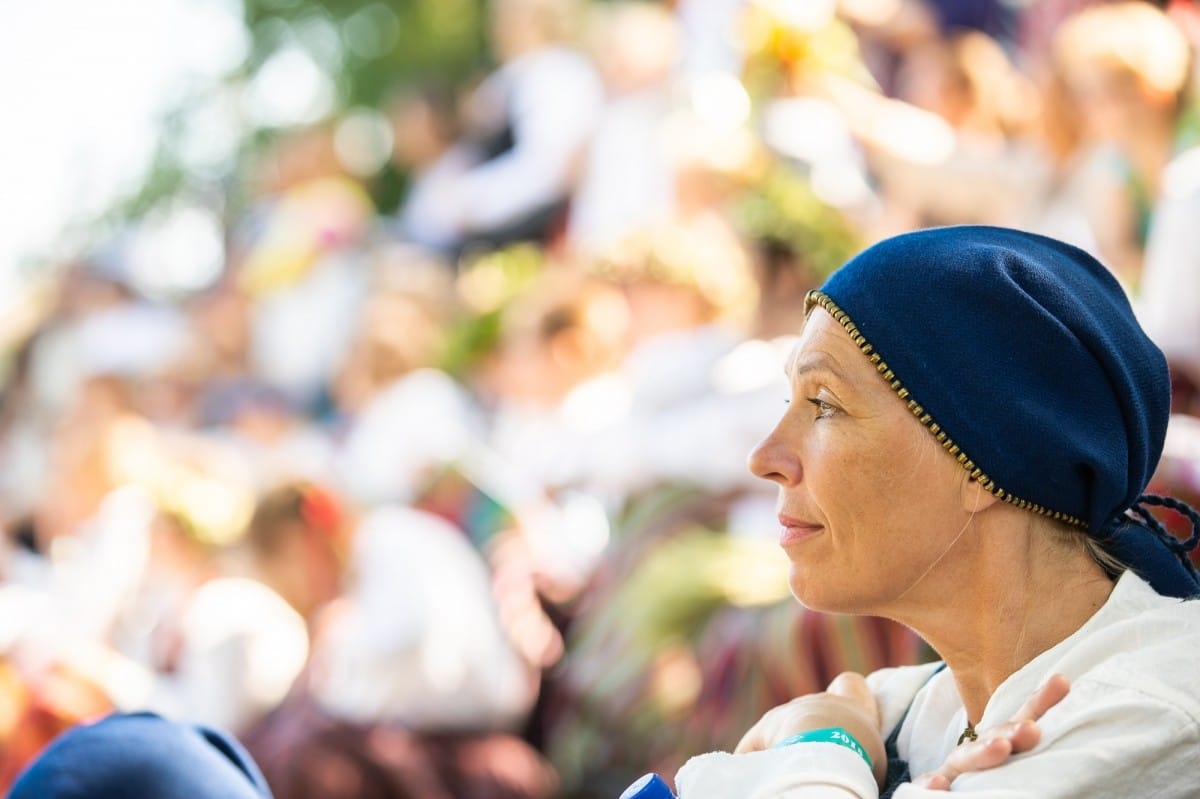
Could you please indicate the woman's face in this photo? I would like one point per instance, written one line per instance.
(870, 504)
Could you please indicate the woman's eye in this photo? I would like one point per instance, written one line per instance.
(824, 409)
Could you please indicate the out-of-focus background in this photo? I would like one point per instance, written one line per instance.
(376, 378)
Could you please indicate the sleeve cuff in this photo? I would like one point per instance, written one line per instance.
(815, 769)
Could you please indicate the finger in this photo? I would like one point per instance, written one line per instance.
(979, 755)
(767, 730)
(986, 753)
(757, 738)
(751, 742)
(853, 686)
(1024, 736)
(1050, 694)
(933, 781)
(976, 756)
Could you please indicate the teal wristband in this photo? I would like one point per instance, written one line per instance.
(828, 735)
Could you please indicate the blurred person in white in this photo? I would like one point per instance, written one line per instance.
(1037, 25)
(428, 146)
(985, 164)
(709, 42)
(82, 538)
(531, 118)
(550, 379)
(690, 293)
(886, 32)
(413, 689)
(220, 317)
(278, 437)
(220, 650)
(217, 631)
(550, 386)
(60, 611)
(134, 599)
(1122, 70)
(403, 419)
(628, 177)
(417, 639)
(945, 121)
(79, 534)
(136, 341)
(66, 573)
(1169, 304)
(75, 369)
(299, 261)
(279, 443)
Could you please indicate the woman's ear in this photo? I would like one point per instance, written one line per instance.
(974, 496)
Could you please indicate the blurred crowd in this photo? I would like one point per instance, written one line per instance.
(451, 502)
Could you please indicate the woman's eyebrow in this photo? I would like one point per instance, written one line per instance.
(800, 365)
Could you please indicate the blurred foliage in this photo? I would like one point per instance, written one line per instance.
(371, 49)
(692, 575)
(781, 211)
(368, 48)
(487, 286)
(371, 45)
(634, 668)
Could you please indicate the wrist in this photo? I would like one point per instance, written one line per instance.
(833, 735)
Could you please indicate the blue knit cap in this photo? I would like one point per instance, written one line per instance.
(140, 755)
(1022, 356)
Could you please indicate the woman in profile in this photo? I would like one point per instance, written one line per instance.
(974, 416)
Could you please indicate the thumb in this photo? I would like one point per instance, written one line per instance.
(853, 686)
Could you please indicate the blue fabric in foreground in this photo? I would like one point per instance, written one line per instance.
(140, 755)
(1026, 352)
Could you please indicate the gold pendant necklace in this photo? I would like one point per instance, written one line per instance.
(968, 734)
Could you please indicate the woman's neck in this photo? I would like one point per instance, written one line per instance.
(1019, 595)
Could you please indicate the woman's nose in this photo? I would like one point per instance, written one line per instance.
(770, 460)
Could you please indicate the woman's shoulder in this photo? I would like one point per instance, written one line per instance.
(1139, 650)
(1138, 624)
(1150, 646)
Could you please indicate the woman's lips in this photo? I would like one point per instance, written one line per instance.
(795, 530)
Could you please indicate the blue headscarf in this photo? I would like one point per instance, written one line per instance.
(1021, 354)
(141, 755)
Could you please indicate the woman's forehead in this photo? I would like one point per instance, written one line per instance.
(825, 346)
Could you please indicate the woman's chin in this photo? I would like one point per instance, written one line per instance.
(808, 590)
(820, 595)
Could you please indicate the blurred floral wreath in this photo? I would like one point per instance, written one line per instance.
(785, 42)
(782, 213)
(204, 488)
(487, 284)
